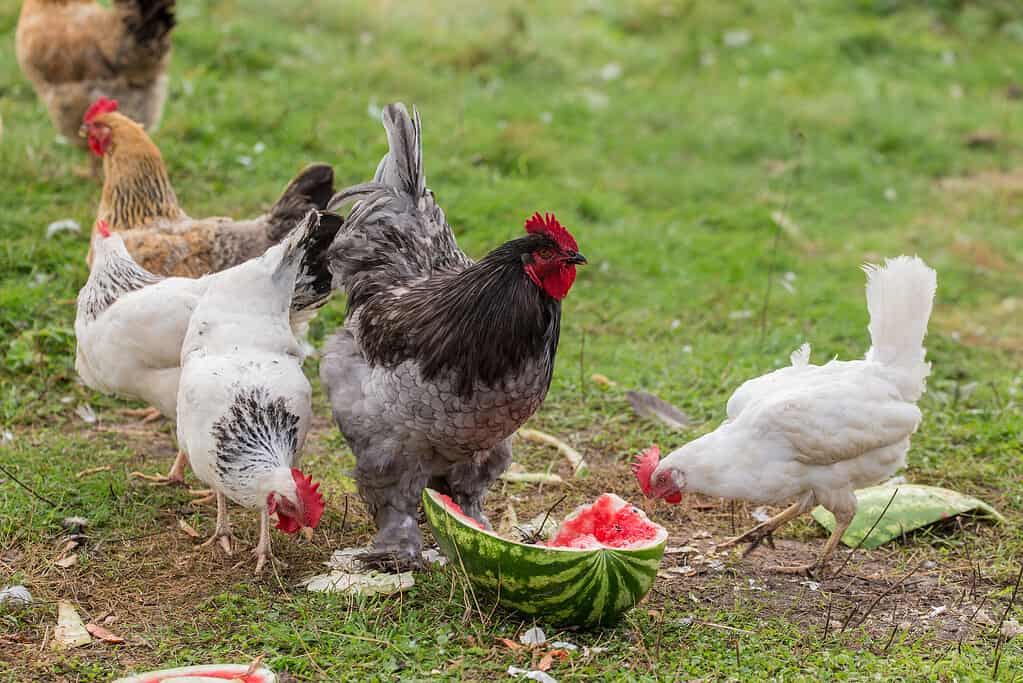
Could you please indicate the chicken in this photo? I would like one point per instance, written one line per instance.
(130, 324)
(75, 51)
(138, 199)
(440, 359)
(816, 433)
(244, 404)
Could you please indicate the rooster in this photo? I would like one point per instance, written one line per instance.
(75, 51)
(138, 200)
(440, 359)
(244, 404)
(130, 324)
(816, 433)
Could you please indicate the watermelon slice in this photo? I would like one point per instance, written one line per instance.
(207, 673)
(601, 562)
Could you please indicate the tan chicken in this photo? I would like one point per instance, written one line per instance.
(75, 51)
(139, 201)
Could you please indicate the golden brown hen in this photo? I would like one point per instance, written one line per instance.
(75, 51)
(139, 201)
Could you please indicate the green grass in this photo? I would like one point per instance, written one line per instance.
(666, 151)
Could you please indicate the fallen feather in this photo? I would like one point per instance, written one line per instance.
(564, 645)
(760, 514)
(65, 225)
(85, 411)
(187, 528)
(75, 523)
(67, 562)
(368, 583)
(434, 556)
(936, 611)
(1010, 629)
(534, 636)
(15, 597)
(531, 675)
(812, 585)
(70, 632)
(655, 408)
(572, 455)
(101, 633)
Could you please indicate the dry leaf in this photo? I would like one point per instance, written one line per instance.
(103, 634)
(510, 644)
(67, 562)
(70, 631)
(187, 528)
(545, 662)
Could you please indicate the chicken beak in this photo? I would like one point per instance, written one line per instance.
(83, 131)
(576, 259)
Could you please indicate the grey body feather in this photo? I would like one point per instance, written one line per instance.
(440, 359)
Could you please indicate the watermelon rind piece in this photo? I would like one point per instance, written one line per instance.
(584, 588)
(205, 672)
(914, 506)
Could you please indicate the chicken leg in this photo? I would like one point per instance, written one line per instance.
(222, 533)
(842, 522)
(176, 476)
(262, 550)
(765, 530)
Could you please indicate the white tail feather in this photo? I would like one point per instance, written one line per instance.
(900, 295)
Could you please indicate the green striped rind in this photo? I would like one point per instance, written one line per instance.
(567, 586)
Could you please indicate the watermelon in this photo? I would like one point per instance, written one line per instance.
(600, 563)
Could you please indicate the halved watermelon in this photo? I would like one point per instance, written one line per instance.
(602, 561)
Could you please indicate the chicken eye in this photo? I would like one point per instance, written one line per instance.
(546, 254)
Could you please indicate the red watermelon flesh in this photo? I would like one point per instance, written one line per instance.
(607, 523)
(457, 509)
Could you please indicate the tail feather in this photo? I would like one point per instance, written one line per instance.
(307, 246)
(310, 189)
(148, 24)
(900, 296)
(402, 166)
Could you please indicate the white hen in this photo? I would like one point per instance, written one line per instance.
(131, 324)
(244, 404)
(816, 433)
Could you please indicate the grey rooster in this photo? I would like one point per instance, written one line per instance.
(440, 358)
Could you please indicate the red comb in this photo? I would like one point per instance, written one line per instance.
(309, 494)
(103, 227)
(547, 224)
(103, 105)
(644, 466)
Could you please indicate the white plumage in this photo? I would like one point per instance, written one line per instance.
(244, 404)
(815, 433)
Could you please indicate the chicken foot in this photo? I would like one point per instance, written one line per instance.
(262, 552)
(176, 476)
(222, 533)
(398, 544)
(765, 530)
(148, 415)
(816, 568)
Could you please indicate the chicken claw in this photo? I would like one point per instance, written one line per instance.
(176, 476)
(392, 561)
(222, 533)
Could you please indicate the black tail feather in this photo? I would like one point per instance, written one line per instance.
(314, 282)
(311, 189)
(149, 21)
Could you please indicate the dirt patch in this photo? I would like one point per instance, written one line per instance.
(155, 576)
(1009, 182)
